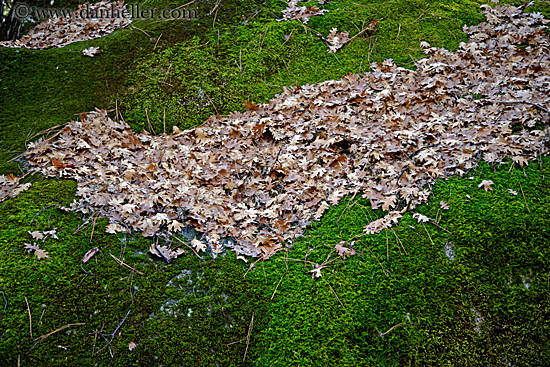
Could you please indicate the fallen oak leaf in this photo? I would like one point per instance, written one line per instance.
(421, 218)
(165, 252)
(91, 253)
(486, 184)
(41, 254)
(91, 51)
(342, 250)
(38, 252)
(198, 245)
(37, 235)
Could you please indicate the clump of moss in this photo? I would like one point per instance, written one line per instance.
(468, 290)
(380, 307)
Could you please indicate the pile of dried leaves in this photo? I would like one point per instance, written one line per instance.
(60, 31)
(261, 177)
(301, 13)
(10, 187)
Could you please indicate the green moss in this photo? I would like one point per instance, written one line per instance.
(499, 239)
(498, 242)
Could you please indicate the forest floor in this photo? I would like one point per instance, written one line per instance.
(471, 290)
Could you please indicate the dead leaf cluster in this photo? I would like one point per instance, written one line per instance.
(301, 13)
(336, 40)
(42, 236)
(261, 177)
(60, 31)
(10, 187)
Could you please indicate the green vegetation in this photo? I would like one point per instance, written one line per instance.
(199, 311)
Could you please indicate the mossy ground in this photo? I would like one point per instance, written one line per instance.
(199, 311)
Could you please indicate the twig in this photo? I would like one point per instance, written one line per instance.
(525, 200)
(398, 32)
(338, 298)
(93, 228)
(158, 39)
(248, 335)
(280, 280)
(156, 80)
(114, 332)
(428, 233)
(5, 305)
(120, 262)
(212, 103)
(399, 241)
(149, 122)
(42, 337)
(379, 263)
(420, 16)
(251, 266)
(216, 14)
(30, 317)
(370, 27)
(41, 210)
(139, 29)
(192, 249)
(238, 341)
(164, 120)
(393, 327)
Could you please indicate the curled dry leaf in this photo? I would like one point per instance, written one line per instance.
(444, 205)
(486, 184)
(513, 192)
(165, 252)
(91, 51)
(37, 235)
(421, 218)
(343, 250)
(91, 253)
(198, 245)
(302, 13)
(316, 272)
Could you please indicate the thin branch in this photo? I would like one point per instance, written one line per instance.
(120, 262)
(394, 327)
(280, 280)
(338, 298)
(248, 335)
(525, 200)
(30, 317)
(42, 337)
(192, 249)
(114, 332)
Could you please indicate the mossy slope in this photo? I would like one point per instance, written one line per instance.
(500, 240)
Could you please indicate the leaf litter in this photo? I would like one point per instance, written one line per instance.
(60, 31)
(262, 176)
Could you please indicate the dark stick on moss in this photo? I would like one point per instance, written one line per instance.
(114, 332)
(248, 335)
(5, 305)
(41, 210)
